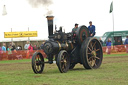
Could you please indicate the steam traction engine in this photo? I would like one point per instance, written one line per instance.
(68, 50)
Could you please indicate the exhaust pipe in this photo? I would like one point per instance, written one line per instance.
(50, 24)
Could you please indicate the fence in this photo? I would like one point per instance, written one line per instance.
(117, 49)
(25, 54)
(16, 55)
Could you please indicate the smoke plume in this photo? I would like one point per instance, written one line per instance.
(44, 3)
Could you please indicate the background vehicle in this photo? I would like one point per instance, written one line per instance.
(115, 37)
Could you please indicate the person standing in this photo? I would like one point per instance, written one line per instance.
(30, 48)
(26, 45)
(0, 49)
(35, 47)
(126, 44)
(0, 52)
(13, 47)
(108, 44)
(4, 48)
(4, 51)
(91, 29)
(10, 57)
(30, 51)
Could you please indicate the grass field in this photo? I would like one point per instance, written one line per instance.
(113, 71)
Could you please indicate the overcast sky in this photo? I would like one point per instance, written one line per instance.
(22, 14)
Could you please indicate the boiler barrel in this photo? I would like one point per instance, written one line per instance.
(52, 47)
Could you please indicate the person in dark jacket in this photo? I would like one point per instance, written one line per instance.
(13, 47)
(91, 29)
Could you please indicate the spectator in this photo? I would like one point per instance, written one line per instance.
(10, 57)
(0, 48)
(34, 47)
(91, 29)
(13, 47)
(30, 48)
(30, 51)
(118, 42)
(101, 41)
(0, 52)
(126, 44)
(3, 48)
(26, 45)
(108, 44)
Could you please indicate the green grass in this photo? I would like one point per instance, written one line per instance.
(113, 71)
(15, 61)
(124, 54)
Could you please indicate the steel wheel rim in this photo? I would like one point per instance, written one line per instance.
(64, 61)
(94, 51)
(37, 63)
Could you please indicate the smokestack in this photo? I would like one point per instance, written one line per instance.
(50, 24)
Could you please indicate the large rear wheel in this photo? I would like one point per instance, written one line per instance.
(63, 61)
(91, 53)
(37, 62)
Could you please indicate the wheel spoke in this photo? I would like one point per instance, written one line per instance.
(95, 64)
(89, 48)
(97, 49)
(90, 58)
(91, 63)
(63, 66)
(94, 44)
(63, 57)
(37, 68)
(88, 53)
(97, 58)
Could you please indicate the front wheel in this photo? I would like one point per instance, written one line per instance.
(63, 61)
(37, 62)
